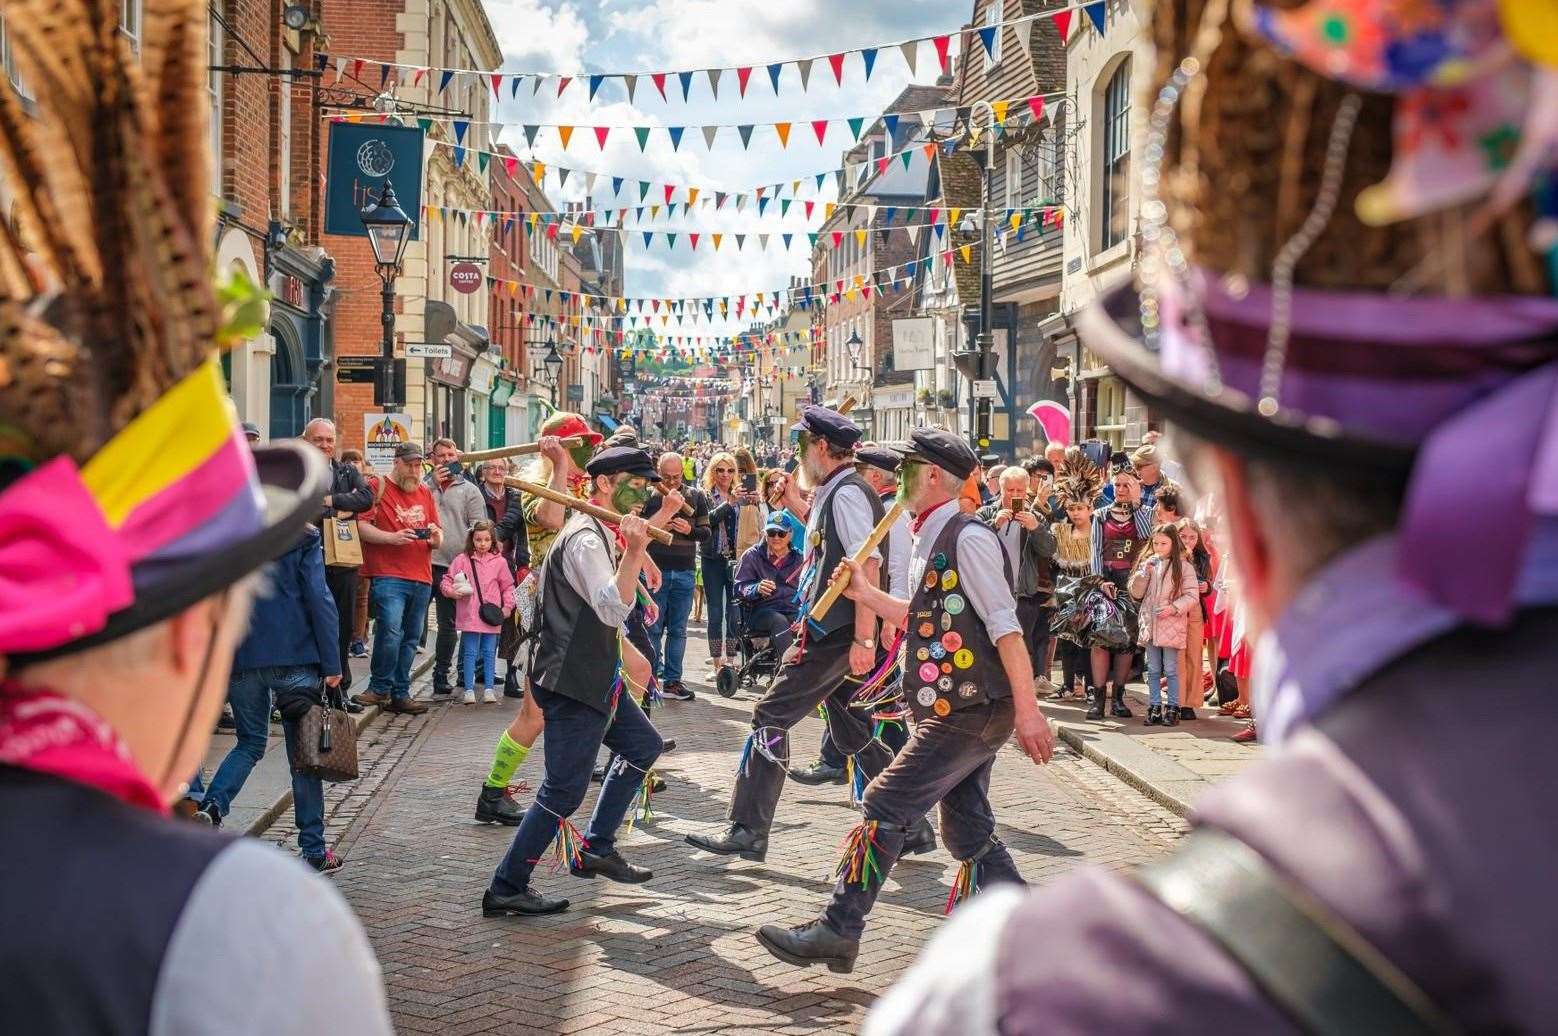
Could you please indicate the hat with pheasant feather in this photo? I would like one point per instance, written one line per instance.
(127, 492)
(1349, 254)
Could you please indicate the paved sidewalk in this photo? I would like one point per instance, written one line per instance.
(676, 954)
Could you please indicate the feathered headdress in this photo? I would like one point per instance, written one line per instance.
(1079, 480)
(126, 490)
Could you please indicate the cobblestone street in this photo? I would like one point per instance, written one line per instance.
(676, 954)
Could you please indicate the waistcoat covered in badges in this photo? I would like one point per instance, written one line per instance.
(825, 540)
(949, 662)
(576, 654)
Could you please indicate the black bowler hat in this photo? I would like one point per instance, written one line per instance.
(941, 448)
(989, 460)
(878, 456)
(829, 424)
(614, 460)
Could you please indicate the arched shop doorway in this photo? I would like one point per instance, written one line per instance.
(293, 391)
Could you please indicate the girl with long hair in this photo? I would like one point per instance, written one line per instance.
(479, 575)
(1165, 584)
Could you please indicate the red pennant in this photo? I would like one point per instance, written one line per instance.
(742, 75)
(1036, 106)
(670, 189)
(497, 81)
(941, 43)
(659, 81)
(357, 68)
(693, 238)
(838, 238)
(881, 165)
(551, 231)
(510, 165)
(1063, 24)
(820, 127)
(809, 206)
(837, 61)
(562, 84)
(600, 136)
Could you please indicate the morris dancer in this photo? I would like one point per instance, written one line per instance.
(589, 585)
(964, 655)
(817, 666)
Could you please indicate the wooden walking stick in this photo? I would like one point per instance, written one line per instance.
(839, 581)
(523, 449)
(603, 513)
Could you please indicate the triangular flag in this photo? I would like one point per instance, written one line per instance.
(648, 236)
(642, 133)
(717, 239)
(676, 136)
(564, 133)
(786, 238)
(692, 240)
(860, 236)
(907, 156)
(595, 82)
(709, 133)
(643, 188)
(837, 61)
(746, 136)
(820, 127)
(459, 131)
(741, 242)
(967, 252)
(889, 124)
(692, 196)
(632, 84)
(999, 109)
(742, 75)
(459, 157)
(600, 136)
(803, 66)
(616, 185)
(1024, 30)
(714, 74)
(686, 78)
(987, 37)
(783, 130)
(1096, 13)
(659, 81)
(562, 84)
(530, 135)
(670, 192)
(773, 76)
(1062, 20)
(855, 126)
(1036, 106)
(941, 43)
(869, 57)
(514, 86)
(911, 53)
(443, 80)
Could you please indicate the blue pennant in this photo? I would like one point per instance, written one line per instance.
(773, 76)
(1096, 14)
(595, 82)
(869, 57)
(443, 80)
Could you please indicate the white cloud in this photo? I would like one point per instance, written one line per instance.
(536, 36)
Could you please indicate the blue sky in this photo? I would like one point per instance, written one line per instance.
(635, 35)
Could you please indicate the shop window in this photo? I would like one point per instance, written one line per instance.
(1114, 178)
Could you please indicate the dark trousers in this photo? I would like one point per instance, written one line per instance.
(448, 636)
(1035, 619)
(342, 583)
(947, 761)
(773, 624)
(719, 597)
(894, 736)
(1074, 663)
(574, 734)
(815, 675)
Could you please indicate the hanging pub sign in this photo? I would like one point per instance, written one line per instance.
(465, 277)
(362, 157)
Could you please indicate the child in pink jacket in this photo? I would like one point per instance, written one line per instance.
(1165, 584)
(479, 575)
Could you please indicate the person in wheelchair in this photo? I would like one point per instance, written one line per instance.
(766, 584)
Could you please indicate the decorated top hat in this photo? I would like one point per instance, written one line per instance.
(1348, 227)
(127, 490)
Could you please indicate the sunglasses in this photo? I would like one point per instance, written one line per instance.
(776, 533)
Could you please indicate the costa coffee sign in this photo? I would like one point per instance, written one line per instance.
(465, 277)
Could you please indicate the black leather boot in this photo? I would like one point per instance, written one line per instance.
(497, 806)
(817, 773)
(736, 841)
(611, 865)
(1095, 703)
(808, 944)
(1118, 706)
(920, 838)
(526, 902)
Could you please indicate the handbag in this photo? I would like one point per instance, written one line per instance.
(489, 613)
(343, 543)
(327, 740)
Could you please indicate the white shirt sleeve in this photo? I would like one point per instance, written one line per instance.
(901, 545)
(852, 518)
(982, 575)
(951, 988)
(587, 565)
(265, 945)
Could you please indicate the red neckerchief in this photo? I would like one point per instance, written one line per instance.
(919, 519)
(46, 732)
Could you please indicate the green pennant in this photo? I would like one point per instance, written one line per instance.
(426, 124)
(907, 156)
(813, 240)
(642, 133)
(784, 206)
(643, 189)
(482, 158)
(855, 125)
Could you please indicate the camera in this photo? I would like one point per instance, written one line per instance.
(424, 533)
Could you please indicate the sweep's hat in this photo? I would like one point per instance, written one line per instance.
(1364, 283)
(127, 490)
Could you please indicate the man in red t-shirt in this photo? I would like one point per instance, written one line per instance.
(398, 538)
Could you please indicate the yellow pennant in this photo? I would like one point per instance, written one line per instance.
(967, 252)
(999, 108)
(717, 239)
(565, 133)
(783, 129)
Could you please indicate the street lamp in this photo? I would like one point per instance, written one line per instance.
(389, 231)
(553, 362)
(977, 363)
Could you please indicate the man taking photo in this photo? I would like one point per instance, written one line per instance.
(678, 577)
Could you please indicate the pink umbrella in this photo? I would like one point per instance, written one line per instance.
(1054, 419)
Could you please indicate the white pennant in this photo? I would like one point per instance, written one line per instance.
(911, 53)
(1024, 30)
(741, 202)
(709, 133)
(714, 74)
(762, 241)
(913, 230)
(804, 66)
(340, 68)
(928, 118)
(589, 183)
(632, 84)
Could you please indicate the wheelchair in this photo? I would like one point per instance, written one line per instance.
(759, 659)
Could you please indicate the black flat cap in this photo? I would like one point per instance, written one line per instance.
(877, 456)
(829, 424)
(614, 460)
(941, 448)
(990, 460)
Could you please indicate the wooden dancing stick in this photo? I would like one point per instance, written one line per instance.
(838, 582)
(605, 514)
(848, 404)
(523, 449)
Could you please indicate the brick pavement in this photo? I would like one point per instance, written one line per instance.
(676, 954)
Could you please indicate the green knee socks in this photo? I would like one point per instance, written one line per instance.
(509, 756)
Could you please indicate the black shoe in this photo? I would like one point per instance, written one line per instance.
(612, 866)
(1118, 706)
(512, 691)
(598, 775)
(1170, 716)
(817, 773)
(920, 839)
(353, 707)
(809, 944)
(736, 841)
(1154, 715)
(668, 746)
(497, 806)
(441, 689)
(521, 903)
(1186, 712)
(656, 784)
(329, 863)
(225, 723)
(1095, 703)
(677, 691)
